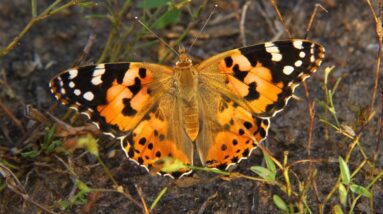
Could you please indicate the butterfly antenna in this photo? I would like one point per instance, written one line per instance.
(158, 37)
(203, 27)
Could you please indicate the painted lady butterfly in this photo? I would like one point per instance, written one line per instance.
(219, 108)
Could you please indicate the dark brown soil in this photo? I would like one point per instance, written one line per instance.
(53, 45)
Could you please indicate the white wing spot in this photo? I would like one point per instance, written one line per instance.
(77, 92)
(73, 73)
(99, 70)
(298, 63)
(97, 74)
(62, 91)
(276, 56)
(71, 84)
(298, 44)
(86, 114)
(96, 80)
(88, 96)
(312, 58)
(60, 81)
(302, 54)
(288, 69)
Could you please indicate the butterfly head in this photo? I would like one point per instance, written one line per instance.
(184, 60)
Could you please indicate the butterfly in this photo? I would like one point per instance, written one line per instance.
(219, 108)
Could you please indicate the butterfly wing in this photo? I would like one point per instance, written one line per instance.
(263, 77)
(228, 133)
(130, 101)
(253, 83)
(160, 135)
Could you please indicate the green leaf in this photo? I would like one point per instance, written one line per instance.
(263, 173)
(87, 4)
(360, 190)
(82, 186)
(337, 209)
(342, 194)
(169, 17)
(150, 4)
(278, 201)
(64, 204)
(344, 171)
(48, 137)
(53, 145)
(31, 154)
(270, 163)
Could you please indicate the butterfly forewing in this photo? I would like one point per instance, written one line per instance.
(115, 96)
(264, 76)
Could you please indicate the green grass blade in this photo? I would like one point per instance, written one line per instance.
(355, 188)
(278, 201)
(344, 171)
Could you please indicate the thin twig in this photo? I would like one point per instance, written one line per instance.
(145, 207)
(15, 185)
(314, 13)
(242, 30)
(380, 133)
(281, 18)
(204, 205)
(379, 34)
(13, 118)
(85, 52)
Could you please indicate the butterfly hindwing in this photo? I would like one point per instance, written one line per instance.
(160, 136)
(229, 134)
(263, 77)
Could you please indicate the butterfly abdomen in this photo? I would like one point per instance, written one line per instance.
(191, 118)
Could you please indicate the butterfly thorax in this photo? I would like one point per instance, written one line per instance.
(186, 78)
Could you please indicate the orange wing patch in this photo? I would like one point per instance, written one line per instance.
(122, 99)
(150, 142)
(266, 75)
(240, 134)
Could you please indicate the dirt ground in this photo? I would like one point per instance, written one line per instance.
(347, 31)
